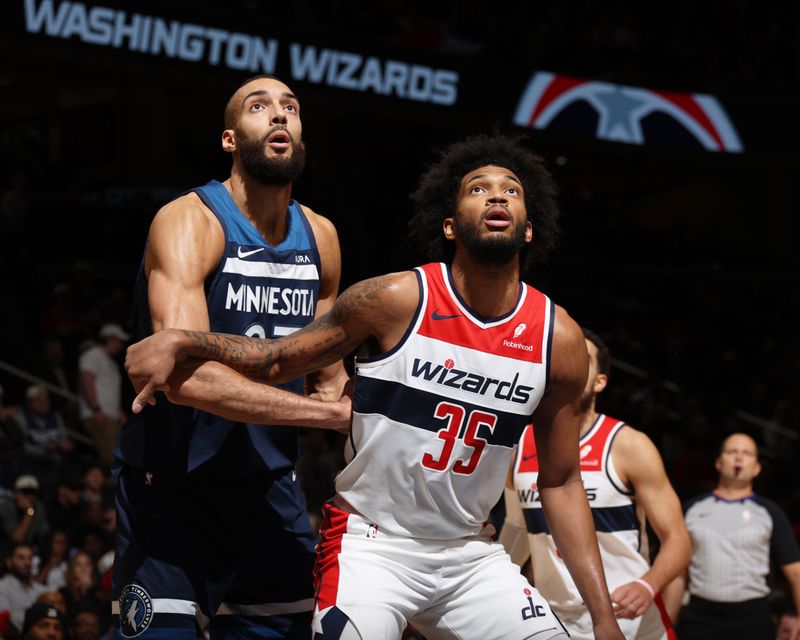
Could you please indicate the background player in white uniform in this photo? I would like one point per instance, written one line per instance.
(624, 479)
(405, 539)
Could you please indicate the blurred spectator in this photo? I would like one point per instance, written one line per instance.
(50, 367)
(23, 516)
(64, 505)
(54, 599)
(101, 390)
(59, 318)
(12, 441)
(85, 623)
(82, 584)
(43, 622)
(94, 486)
(54, 560)
(18, 589)
(46, 439)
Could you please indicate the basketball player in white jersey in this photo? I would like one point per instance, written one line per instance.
(625, 481)
(461, 354)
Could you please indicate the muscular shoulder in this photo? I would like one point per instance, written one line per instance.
(389, 294)
(630, 442)
(185, 210)
(324, 229)
(185, 230)
(569, 360)
(636, 457)
(381, 307)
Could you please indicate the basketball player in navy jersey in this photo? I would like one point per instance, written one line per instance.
(625, 483)
(213, 534)
(461, 353)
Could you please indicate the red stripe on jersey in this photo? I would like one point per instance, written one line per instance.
(520, 336)
(528, 459)
(590, 451)
(662, 611)
(326, 567)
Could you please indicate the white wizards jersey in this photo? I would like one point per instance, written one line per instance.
(436, 419)
(619, 525)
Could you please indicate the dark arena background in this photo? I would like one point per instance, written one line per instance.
(673, 134)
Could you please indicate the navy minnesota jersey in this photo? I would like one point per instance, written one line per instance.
(257, 290)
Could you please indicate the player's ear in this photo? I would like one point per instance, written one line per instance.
(758, 469)
(600, 383)
(228, 141)
(528, 232)
(449, 228)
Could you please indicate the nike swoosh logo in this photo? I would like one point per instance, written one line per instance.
(528, 457)
(244, 254)
(435, 315)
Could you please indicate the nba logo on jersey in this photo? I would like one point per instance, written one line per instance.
(135, 611)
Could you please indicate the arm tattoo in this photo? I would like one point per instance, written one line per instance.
(318, 344)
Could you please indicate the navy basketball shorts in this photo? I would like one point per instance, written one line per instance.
(228, 557)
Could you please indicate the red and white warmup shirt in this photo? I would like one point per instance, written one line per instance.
(436, 420)
(619, 523)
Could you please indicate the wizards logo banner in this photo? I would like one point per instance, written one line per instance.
(626, 114)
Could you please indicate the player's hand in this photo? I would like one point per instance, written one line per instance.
(149, 364)
(631, 600)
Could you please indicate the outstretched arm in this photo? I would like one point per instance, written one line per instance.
(563, 497)
(380, 307)
(639, 464)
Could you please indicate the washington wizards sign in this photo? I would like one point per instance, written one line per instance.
(621, 113)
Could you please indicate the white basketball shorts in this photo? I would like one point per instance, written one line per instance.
(466, 589)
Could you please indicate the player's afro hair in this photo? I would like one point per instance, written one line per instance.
(436, 197)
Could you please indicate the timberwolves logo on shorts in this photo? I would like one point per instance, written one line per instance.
(135, 611)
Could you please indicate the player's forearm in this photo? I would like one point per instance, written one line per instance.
(252, 357)
(571, 524)
(672, 560)
(278, 360)
(216, 389)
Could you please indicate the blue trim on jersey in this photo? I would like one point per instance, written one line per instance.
(472, 312)
(409, 329)
(622, 490)
(606, 519)
(416, 408)
(549, 346)
(239, 227)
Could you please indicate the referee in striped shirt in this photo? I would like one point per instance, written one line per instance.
(735, 534)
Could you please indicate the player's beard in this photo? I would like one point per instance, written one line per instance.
(274, 171)
(585, 403)
(495, 250)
